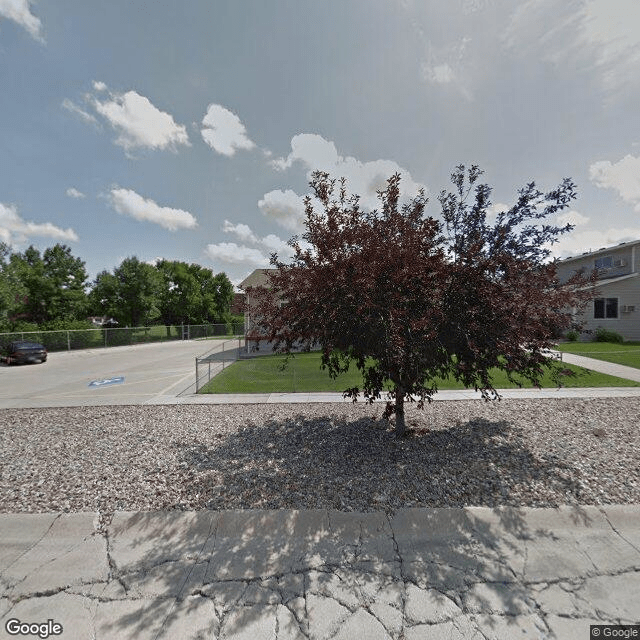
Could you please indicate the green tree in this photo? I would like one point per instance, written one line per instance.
(192, 294)
(49, 288)
(7, 295)
(216, 295)
(103, 297)
(137, 288)
(65, 283)
(179, 298)
(28, 269)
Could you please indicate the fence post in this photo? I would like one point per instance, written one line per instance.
(68, 342)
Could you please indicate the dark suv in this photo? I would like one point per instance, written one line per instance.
(17, 352)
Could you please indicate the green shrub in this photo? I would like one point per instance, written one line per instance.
(604, 335)
(572, 335)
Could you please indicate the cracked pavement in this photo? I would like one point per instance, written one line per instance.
(472, 573)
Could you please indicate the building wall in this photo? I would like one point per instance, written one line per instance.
(626, 291)
(626, 324)
(629, 254)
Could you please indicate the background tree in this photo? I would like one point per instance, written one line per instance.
(138, 284)
(216, 295)
(179, 297)
(390, 291)
(66, 279)
(48, 289)
(7, 290)
(103, 298)
(192, 294)
(173, 292)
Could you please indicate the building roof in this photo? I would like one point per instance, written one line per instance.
(602, 250)
(258, 278)
(604, 282)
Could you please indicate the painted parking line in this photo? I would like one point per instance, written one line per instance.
(166, 389)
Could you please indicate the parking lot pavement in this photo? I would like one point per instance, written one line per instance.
(473, 573)
(116, 375)
(164, 373)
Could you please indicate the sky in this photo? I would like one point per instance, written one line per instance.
(188, 130)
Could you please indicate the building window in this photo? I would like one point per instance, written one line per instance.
(605, 308)
(604, 263)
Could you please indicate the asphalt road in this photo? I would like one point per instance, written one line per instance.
(116, 375)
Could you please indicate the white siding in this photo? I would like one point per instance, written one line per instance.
(626, 324)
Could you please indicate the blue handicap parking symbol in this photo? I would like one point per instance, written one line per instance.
(107, 381)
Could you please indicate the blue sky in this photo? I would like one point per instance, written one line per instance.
(188, 130)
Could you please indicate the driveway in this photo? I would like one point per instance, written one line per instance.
(117, 375)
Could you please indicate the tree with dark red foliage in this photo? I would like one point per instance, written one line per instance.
(408, 298)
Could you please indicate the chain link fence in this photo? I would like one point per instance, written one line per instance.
(66, 340)
(210, 364)
(251, 366)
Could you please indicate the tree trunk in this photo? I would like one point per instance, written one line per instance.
(401, 427)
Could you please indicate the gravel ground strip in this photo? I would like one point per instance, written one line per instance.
(536, 453)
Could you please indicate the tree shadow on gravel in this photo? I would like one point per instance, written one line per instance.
(275, 464)
(312, 560)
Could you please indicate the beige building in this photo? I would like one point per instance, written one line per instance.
(258, 278)
(617, 308)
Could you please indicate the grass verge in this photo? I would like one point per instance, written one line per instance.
(627, 353)
(303, 373)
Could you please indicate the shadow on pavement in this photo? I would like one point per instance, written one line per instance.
(382, 571)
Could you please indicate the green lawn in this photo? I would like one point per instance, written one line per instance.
(627, 353)
(303, 373)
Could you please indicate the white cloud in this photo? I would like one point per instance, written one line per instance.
(622, 176)
(139, 123)
(315, 153)
(274, 243)
(438, 74)
(264, 246)
(20, 12)
(446, 65)
(575, 243)
(15, 230)
(613, 27)
(74, 108)
(471, 6)
(231, 253)
(129, 203)
(310, 147)
(242, 231)
(154, 261)
(602, 35)
(223, 131)
(99, 86)
(72, 192)
(571, 217)
(285, 208)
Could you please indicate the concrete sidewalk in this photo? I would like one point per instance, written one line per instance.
(307, 397)
(619, 370)
(473, 573)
